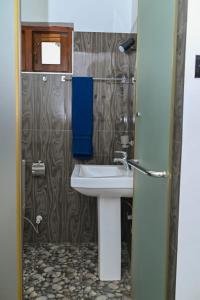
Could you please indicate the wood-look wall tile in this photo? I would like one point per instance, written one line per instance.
(106, 144)
(69, 161)
(104, 109)
(97, 55)
(67, 86)
(43, 106)
(49, 195)
(84, 45)
(28, 145)
(28, 101)
(29, 199)
(47, 136)
(50, 146)
(80, 224)
(48, 108)
(56, 205)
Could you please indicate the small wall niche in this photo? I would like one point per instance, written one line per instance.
(46, 48)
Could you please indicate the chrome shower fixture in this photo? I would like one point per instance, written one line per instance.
(127, 45)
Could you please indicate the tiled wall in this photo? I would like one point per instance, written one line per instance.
(46, 123)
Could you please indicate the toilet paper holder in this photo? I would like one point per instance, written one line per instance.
(38, 168)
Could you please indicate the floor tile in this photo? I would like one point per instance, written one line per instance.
(70, 272)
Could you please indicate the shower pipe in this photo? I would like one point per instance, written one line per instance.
(36, 228)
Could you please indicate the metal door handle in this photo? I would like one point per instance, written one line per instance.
(135, 164)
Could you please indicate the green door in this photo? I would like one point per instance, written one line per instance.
(154, 105)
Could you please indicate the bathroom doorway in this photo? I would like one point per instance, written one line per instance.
(60, 227)
(38, 141)
(60, 224)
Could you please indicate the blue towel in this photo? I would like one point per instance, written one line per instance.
(82, 117)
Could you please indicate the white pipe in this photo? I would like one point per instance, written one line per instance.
(34, 227)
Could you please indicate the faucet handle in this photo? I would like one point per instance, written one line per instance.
(123, 153)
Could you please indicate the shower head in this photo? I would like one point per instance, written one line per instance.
(128, 44)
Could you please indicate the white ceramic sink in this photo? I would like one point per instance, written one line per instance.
(102, 180)
(108, 184)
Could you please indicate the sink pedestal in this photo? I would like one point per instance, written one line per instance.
(108, 184)
(109, 238)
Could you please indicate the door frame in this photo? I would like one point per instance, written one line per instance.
(10, 153)
(17, 5)
(176, 155)
(177, 146)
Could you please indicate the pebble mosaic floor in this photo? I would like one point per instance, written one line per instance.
(69, 272)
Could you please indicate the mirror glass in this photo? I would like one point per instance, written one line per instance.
(51, 54)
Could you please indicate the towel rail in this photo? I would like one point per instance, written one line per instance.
(122, 80)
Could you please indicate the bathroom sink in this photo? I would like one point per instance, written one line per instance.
(102, 180)
(101, 171)
(108, 184)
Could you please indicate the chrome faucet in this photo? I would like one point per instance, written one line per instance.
(123, 160)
